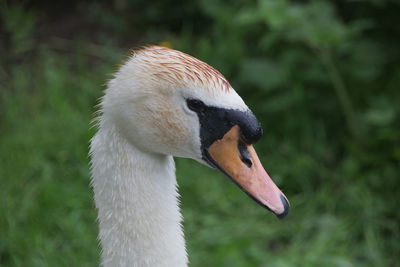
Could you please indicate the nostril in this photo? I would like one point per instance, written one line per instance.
(244, 154)
(247, 162)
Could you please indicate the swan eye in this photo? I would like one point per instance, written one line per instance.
(195, 104)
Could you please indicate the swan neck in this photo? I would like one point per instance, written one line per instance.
(137, 201)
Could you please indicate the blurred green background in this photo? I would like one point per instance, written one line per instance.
(323, 77)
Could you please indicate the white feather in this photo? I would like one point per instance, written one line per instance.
(144, 121)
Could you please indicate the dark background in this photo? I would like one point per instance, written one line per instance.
(323, 77)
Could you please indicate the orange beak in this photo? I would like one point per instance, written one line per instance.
(240, 162)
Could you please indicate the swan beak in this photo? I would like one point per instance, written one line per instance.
(239, 161)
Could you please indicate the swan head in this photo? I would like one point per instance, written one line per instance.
(164, 101)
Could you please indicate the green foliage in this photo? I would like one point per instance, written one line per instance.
(321, 76)
(20, 25)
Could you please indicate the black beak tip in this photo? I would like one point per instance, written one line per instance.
(286, 208)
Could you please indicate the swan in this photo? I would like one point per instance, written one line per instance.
(161, 104)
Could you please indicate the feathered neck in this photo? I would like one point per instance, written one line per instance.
(137, 201)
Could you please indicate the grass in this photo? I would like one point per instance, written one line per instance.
(48, 216)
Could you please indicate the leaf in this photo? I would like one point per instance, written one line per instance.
(262, 73)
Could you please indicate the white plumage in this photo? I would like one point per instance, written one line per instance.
(144, 121)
